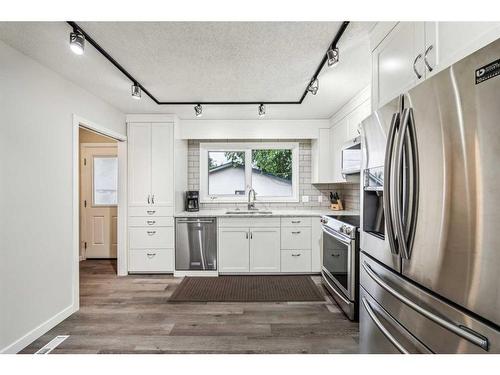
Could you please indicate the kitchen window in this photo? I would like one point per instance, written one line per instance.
(229, 170)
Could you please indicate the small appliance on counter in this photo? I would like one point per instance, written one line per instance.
(341, 261)
(192, 201)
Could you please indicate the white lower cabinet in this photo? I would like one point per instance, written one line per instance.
(269, 245)
(295, 238)
(151, 260)
(295, 260)
(265, 250)
(234, 250)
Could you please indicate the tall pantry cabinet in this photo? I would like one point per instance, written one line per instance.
(157, 180)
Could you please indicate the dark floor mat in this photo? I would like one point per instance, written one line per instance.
(254, 288)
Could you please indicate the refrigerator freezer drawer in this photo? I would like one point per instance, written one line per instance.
(438, 325)
(380, 333)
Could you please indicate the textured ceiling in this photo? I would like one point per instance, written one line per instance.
(206, 61)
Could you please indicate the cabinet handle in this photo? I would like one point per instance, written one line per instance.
(419, 56)
(151, 212)
(149, 199)
(151, 222)
(296, 255)
(429, 67)
(150, 255)
(246, 235)
(251, 235)
(335, 255)
(296, 222)
(151, 232)
(298, 232)
(153, 199)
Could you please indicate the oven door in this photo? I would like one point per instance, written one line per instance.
(339, 261)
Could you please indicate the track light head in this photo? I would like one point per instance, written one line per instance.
(333, 56)
(136, 91)
(77, 42)
(198, 110)
(313, 86)
(262, 110)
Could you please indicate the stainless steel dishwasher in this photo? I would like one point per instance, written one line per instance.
(195, 244)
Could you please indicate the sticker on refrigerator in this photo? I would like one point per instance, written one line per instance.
(488, 71)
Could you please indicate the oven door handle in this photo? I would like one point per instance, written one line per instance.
(345, 241)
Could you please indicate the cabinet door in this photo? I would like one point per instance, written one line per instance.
(162, 168)
(449, 42)
(234, 249)
(338, 136)
(394, 59)
(265, 250)
(321, 155)
(355, 118)
(139, 163)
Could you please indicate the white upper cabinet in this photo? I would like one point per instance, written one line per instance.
(411, 52)
(162, 168)
(321, 158)
(338, 136)
(397, 62)
(150, 164)
(139, 164)
(449, 42)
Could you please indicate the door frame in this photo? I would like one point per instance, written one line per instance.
(121, 254)
(83, 227)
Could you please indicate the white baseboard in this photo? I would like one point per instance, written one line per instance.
(43, 328)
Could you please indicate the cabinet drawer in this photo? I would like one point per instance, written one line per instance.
(150, 211)
(295, 260)
(145, 238)
(160, 221)
(295, 238)
(247, 222)
(295, 221)
(151, 260)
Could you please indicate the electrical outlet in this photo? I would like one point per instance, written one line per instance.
(305, 198)
(320, 198)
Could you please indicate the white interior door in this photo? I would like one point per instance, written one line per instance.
(99, 200)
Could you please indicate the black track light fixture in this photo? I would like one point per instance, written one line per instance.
(77, 42)
(198, 110)
(136, 91)
(262, 110)
(332, 56)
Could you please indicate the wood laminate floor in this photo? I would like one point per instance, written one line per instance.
(132, 315)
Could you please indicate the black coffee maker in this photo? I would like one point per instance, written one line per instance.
(192, 201)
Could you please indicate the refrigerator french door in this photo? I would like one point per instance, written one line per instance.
(441, 183)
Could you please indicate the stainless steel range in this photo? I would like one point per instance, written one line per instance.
(340, 261)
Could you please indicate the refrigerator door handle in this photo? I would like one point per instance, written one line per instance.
(398, 185)
(413, 184)
(389, 217)
(381, 327)
(460, 330)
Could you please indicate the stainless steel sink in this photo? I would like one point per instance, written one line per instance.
(248, 212)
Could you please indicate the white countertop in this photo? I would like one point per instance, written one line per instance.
(274, 213)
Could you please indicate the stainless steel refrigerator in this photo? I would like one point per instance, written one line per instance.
(430, 224)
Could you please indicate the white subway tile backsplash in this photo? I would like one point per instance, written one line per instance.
(348, 192)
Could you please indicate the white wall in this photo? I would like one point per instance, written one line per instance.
(36, 109)
(252, 129)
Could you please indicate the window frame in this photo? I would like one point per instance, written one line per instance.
(247, 147)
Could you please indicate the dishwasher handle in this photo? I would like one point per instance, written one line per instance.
(196, 221)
